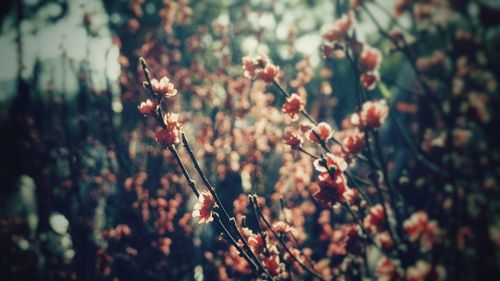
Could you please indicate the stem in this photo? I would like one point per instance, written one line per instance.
(233, 241)
(259, 228)
(294, 239)
(357, 187)
(418, 155)
(256, 266)
(379, 190)
(191, 182)
(388, 182)
(245, 244)
(362, 227)
(202, 175)
(307, 153)
(406, 51)
(280, 240)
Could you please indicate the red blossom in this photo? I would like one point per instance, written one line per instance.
(352, 145)
(369, 79)
(249, 67)
(293, 106)
(269, 73)
(418, 227)
(323, 130)
(370, 59)
(281, 227)
(165, 245)
(274, 266)
(374, 220)
(330, 191)
(385, 240)
(147, 107)
(164, 87)
(204, 207)
(256, 242)
(335, 164)
(340, 28)
(372, 115)
(424, 271)
(292, 139)
(388, 270)
(332, 185)
(171, 133)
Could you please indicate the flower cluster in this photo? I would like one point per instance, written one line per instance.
(260, 68)
(369, 64)
(169, 135)
(203, 209)
(419, 228)
(332, 183)
(371, 116)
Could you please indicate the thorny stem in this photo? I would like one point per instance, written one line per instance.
(280, 240)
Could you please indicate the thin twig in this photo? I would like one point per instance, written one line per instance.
(283, 244)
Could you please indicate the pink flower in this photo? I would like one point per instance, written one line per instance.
(171, 133)
(370, 59)
(418, 227)
(204, 207)
(374, 220)
(323, 130)
(269, 73)
(387, 270)
(293, 106)
(281, 227)
(369, 79)
(165, 245)
(292, 139)
(256, 242)
(172, 120)
(372, 115)
(147, 107)
(274, 266)
(385, 240)
(335, 164)
(329, 191)
(352, 145)
(423, 271)
(249, 67)
(164, 87)
(332, 51)
(340, 28)
(167, 136)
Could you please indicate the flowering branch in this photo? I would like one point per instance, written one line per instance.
(280, 239)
